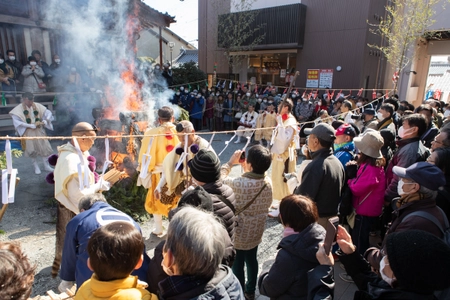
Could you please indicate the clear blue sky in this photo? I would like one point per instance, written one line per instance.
(186, 15)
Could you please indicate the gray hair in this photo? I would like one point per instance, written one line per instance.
(87, 201)
(197, 242)
(427, 193)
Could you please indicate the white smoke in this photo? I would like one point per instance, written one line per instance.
(97, 33)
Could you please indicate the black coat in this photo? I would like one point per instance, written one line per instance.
(322, 181)
(288, 276)
(370, 285)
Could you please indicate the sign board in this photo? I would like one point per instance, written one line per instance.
(312, 78)
(282, 73)
(326, 78)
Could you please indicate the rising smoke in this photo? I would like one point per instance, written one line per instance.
(101, 34)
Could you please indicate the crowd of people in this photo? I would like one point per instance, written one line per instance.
(380, 166)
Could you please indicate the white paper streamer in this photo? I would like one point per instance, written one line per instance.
(83, 169)
(107, 161)
(180, 161)
(185, 170)
(211, 140)
(227, 143)
(146, 158)
(8, 192)
(246, 144)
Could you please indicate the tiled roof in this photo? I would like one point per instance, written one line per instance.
(440, 82)
(186, 56)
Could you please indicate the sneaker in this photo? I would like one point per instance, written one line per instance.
(345, 277)
(249, 296)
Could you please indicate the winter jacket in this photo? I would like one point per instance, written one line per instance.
(370, 285)
(369, 184)
(322, 181)
(224, 285)
(223, 206)
(371, 124)
(251, 222)
(321, 283)
(288, 278)
(429, 135)
(79, 230)
(31, 79)
(120, 289)
(345, 152)
(197, 108)
(374, 255)
(209, 111)
(304, 110)
(386, 123)
(409, 152)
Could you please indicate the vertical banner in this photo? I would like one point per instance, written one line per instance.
(326, 78)
(312, 78)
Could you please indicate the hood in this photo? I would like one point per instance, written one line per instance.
(349, 147)
(224, 285)
(305, 243)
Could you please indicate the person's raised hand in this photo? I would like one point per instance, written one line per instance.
(323, 258)
(344, 241)
(234, 159)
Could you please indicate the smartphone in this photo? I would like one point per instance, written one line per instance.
(242, 157)
(330, 237)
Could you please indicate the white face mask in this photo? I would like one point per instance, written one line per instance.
(294, 96)
(157, 67)
(259, 100)
(57, 61)
(178, 93)
(12, 58)
(217, 94)
(402, 132)
(400, 185)
(167, 270)
(319, 103)
(32, 63)
(379, 116)
(305, 99)
(2, 61)
(181, 88)
(383, 265)
(248, 94)
(265, 101)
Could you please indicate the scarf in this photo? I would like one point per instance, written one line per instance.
(404, 199)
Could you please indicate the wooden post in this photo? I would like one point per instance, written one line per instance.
(160, 48)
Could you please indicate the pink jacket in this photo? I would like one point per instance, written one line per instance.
(369, 179)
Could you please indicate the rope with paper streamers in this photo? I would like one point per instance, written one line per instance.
(301, 124)
(237, 82)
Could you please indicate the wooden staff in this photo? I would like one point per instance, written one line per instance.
(292, 82)
(5, 206)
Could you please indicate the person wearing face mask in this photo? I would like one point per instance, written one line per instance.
(432, 131)
(42, 64)
(415, 265)
(196, 113)
(384, 116)
(320, 105)
(304, 110)
(73, 80)
(33, 77)
(410, 150)
(6, 76)
(368, 120)
(56, 75)
(16, 65)
(190, 275)
(346, 113)
(418, 187)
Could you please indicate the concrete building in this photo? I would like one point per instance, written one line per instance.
(328, 38)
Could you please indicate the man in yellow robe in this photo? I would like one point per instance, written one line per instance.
(157, 143)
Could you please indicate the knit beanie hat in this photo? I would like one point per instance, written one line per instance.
(420, 261)
(205, 166)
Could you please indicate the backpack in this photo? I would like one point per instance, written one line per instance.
(443, 294)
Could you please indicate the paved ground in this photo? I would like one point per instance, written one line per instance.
(30, 221)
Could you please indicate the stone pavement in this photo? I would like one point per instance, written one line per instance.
(33, 193)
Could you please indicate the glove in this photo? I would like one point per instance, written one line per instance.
(65, 285)
(351, 171)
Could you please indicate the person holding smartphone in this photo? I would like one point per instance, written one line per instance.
(287, 278)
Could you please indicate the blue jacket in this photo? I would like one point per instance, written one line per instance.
(344, 152)
(197, 108)
(79, 230)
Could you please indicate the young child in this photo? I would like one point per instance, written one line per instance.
(115, 250)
